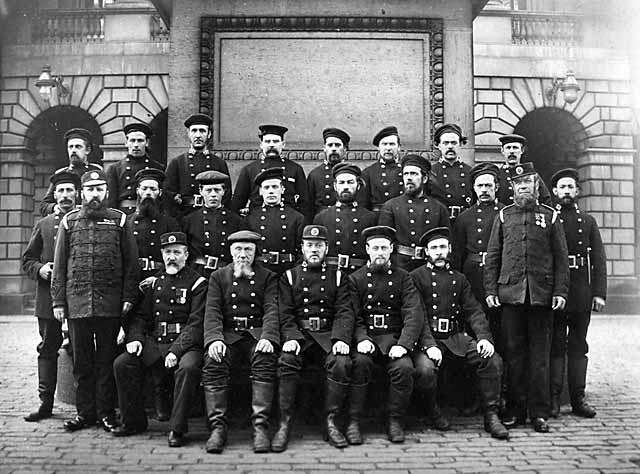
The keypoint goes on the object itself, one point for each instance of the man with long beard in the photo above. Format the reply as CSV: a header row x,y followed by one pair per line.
x,y
346,220
241,327
317,329
587,291
94,284
527,274
37,263
164,336
320,179
413,213
383,179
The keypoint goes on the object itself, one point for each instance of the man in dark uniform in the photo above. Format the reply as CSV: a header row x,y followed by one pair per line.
x,y
388,320
165,336
182,170
527,273
279,224
316,327
450,304
79,145
295,184
94,284
150,220
587,291
383,179
413,213
121,175
452,184
241,326
209,227
37,263
320,179
346,220
513,147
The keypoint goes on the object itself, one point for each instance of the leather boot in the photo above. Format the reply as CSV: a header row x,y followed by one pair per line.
x,y
577,384
216,399
494,426
286,400
436,417
334,400
357,401
556,378
490,388
554,412
398,403
47,377
162,403
261,400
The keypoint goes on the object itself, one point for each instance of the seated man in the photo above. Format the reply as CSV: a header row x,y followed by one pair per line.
x,y
449,304
164,335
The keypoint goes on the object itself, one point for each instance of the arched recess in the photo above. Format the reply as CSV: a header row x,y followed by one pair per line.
x,y
158,144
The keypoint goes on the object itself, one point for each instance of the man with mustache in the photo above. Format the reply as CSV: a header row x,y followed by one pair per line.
x,y
388,318
527,275
450,308
121,175
317,329
94,284
164,337
383,179
79,146
279,224
241,327
247,196
452,176
207,228
37,263
587,291
320,179
346,220
513,147
181,184
413,213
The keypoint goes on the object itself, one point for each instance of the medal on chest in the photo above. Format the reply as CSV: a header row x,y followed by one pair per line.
x,y
540,220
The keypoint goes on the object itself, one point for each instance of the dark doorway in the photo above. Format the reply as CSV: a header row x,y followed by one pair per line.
x,y
158,143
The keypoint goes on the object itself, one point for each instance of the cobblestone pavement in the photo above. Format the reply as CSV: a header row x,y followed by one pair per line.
x,y
610,443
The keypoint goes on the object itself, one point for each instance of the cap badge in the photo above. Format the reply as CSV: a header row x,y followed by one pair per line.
x,y
315,231
94,175
171,239
519,170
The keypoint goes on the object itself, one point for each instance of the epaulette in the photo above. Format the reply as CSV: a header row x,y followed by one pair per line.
x,y
502,212
122,216
198,281
64,221
554,215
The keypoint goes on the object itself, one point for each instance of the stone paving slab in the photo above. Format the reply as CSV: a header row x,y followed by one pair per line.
x,y
607,444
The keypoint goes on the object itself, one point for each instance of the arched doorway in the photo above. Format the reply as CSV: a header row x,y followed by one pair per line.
x,y
158,143
555,139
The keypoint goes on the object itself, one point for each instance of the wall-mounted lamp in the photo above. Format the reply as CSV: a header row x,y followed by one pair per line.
x,y
568,86
46,82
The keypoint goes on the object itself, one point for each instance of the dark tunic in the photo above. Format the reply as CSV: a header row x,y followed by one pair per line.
x,y
121,178
320,187
147,232
452,186
382,182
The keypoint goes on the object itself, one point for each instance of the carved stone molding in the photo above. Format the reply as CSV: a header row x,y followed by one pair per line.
x,y
312,155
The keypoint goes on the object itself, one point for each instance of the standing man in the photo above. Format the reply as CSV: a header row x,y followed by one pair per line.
x,y
247,195
413,213
182,170
79,145
316,328
121,175
279,224
453,177
37,263
450,309
527,273
320,179
165,336
346,220
383,179
94,285
587,291
209,227
513,147
388,320
241,326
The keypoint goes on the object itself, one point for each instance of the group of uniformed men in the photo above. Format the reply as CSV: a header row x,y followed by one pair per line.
x,y
408,264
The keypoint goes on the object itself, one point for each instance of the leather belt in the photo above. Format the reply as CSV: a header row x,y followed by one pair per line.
x,y
168,332
480,258
444,327
383,322
345,261
414,252
576,261
243,323
454,211
315,324
275,258
192,201
128,203
147,264
209,262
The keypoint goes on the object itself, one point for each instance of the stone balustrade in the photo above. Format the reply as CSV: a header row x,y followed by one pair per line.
x,y
546,29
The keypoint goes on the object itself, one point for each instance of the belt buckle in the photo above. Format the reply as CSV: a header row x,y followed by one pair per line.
x,y
273,258
177,328
483,258
144,264
573,261
210,263
378,321
198,201
314,323
163,328
419,253
343,261
240,322
454,211
443,325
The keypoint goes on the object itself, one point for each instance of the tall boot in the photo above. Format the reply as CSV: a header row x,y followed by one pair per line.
x,y
556,378
216,399
261,400
286,399
357,401
577,384
397,406
47,377
490,388
163,403
437,418
334,400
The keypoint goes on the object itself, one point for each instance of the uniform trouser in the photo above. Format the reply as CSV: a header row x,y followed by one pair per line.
x,y
526,331
129,372
337,367
93,365
51,339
